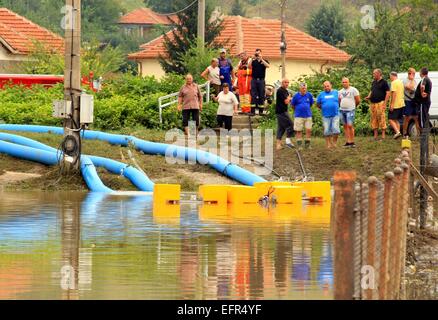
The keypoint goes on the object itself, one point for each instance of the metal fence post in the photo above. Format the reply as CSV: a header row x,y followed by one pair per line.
x,y
344,183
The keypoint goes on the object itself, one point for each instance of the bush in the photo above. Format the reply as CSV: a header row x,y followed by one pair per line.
x,y
126,101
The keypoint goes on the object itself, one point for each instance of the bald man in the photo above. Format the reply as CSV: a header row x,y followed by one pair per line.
x,y
284,122
328,102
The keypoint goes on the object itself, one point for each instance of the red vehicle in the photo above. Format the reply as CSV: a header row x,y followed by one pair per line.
x,y
28,80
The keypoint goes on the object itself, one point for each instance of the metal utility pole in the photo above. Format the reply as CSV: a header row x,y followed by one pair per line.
x,y
72,79
424,159
283,44
201,23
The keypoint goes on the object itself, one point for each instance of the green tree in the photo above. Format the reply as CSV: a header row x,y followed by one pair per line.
x,y
237,9
328,23
196,61
185,34
419,55
160,5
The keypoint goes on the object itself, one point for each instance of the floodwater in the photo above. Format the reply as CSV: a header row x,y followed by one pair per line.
x,y
96,246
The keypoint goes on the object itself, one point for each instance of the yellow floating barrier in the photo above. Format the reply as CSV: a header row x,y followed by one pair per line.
x,y
214,212
165,194
316,190
166,214
214,194
286,195
242,194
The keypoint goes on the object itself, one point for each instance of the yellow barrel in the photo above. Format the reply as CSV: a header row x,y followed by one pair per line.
x,y
287,195
214,194
167,194
316,189
242,194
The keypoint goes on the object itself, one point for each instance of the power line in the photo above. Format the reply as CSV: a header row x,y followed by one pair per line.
x,y
179,11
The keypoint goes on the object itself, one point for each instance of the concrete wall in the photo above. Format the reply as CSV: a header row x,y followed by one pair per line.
x,y
295,69
9,62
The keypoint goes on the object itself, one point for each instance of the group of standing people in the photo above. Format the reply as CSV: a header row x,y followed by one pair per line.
x,y
408,101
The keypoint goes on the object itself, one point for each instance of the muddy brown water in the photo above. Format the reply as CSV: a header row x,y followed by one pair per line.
x,y
92,246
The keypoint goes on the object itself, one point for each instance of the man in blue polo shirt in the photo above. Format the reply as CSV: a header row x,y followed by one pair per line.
x,y
328,102
302,103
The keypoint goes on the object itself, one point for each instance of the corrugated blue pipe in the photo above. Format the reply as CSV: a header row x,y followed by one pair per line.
x,y
50,158
223,166
138,178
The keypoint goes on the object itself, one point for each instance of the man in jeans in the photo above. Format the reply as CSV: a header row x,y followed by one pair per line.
x,y
328,102
349,99
378,97
302,103
258,85
284,121
422,97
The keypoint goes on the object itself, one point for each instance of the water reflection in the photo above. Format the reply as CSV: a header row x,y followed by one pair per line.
x,y
96,246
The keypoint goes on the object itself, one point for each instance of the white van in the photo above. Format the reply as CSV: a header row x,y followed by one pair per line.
x,y
433,112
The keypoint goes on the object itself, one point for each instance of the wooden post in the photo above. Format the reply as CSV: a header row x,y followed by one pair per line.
x,y
394,260
344,235
283,38
72,74
372,211
386,225
201,23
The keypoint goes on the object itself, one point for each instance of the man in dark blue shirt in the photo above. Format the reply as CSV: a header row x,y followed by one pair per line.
x,y
422,97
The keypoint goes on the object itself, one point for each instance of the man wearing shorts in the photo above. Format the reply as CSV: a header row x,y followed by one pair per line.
x,y
410,106
397,104
302,103
190,103
378,98
328,102
349,99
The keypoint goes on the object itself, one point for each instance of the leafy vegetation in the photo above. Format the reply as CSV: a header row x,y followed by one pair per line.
x,y
328,23
126,101
185,34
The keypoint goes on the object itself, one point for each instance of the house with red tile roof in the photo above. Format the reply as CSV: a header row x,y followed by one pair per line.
x,y
18,37
305,54
141,21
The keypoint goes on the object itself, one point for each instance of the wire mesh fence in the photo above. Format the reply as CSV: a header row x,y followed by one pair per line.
x,y
370,233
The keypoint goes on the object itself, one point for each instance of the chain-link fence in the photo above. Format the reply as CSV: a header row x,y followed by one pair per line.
x,y
370,232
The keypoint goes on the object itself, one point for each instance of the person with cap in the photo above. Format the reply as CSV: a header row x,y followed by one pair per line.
x,y
284,122
244,77
258,85
302,103
226,69
410,113
212,74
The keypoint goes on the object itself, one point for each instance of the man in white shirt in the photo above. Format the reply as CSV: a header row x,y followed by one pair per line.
x,y
349,99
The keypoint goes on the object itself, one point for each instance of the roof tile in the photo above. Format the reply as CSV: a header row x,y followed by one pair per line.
x,y
19,34
249,34
145,16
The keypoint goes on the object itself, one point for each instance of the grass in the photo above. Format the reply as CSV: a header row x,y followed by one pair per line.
x,y
369,158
